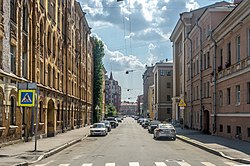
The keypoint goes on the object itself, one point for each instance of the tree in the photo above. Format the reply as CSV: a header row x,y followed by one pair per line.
x,y
111,110
98,51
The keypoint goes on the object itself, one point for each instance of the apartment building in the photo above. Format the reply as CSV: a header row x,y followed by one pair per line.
x,y
163,90
232,67
113,92
47,43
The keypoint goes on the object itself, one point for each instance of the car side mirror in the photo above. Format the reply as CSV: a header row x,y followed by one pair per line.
x,y
91,126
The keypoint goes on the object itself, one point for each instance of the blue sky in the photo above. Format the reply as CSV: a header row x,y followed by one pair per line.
x,y
135,34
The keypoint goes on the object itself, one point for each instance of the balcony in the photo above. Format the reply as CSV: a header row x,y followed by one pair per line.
x,y
231,69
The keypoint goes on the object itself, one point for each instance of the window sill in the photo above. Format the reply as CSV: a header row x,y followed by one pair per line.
x,y
2,128
13,127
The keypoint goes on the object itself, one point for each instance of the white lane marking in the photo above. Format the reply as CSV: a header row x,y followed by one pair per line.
x,y
134,164
89,164
207,164
160,164
46,163
231,164
110,164
64,165
183,163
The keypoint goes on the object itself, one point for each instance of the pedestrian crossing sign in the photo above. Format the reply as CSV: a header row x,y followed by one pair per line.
x,y
182,103
26,98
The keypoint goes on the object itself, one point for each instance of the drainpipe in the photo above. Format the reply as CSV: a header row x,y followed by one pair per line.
x,y
201,105
66,49
191,79
214,81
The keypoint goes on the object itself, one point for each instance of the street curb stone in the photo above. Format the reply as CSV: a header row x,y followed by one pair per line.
x,y
211,150
53,151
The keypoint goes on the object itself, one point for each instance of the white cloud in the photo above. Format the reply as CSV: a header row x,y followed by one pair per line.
x,y
192,5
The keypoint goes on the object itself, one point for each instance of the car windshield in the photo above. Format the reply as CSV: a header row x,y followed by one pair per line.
x,y
98,125
165,126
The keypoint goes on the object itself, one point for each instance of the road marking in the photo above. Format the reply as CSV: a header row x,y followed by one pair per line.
x,y
46,163
207,163
183,163
230,163
160,164
90,164
134,164
64,165
110,164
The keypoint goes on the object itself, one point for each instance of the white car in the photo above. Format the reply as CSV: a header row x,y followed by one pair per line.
x,y
165,131
98,129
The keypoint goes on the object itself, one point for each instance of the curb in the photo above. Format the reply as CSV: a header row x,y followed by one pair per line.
x,y
211,150
53,151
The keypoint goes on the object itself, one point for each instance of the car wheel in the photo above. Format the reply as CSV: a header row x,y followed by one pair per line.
x,y
174,138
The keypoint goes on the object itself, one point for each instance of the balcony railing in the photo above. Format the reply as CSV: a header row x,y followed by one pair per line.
x,y
245,63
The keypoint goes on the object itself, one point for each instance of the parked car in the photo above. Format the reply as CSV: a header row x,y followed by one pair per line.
x,y
145,123
98,129
119,119
107,124
165,131
152,125
112,121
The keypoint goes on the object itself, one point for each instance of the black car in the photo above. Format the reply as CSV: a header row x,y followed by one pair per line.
x,y
112,121
152,125
107,124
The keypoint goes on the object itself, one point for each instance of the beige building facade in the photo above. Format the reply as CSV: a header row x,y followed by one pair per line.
x,y
163,90
47,43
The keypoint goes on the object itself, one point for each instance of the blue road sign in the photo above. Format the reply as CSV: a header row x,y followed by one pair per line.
x,y
26,98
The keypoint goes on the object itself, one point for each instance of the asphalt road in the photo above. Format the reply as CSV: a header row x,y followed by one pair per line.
x,y
131,145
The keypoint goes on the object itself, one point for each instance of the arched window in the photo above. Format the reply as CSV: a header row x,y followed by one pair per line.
x,y
49,76
13,10
41,40
49,42
12,111
1,110
54,46
58,112
25,18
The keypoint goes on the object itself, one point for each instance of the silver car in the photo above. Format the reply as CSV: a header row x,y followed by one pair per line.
x,y
165,131
98,129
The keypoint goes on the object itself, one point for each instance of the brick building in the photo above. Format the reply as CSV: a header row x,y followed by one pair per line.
x,y
46,42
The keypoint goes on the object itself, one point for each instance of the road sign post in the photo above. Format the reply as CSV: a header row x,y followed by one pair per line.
x,y
26,98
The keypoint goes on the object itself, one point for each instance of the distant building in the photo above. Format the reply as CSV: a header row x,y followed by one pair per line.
x,y
140,100
163,90
151,102
113,92
129,108
148,80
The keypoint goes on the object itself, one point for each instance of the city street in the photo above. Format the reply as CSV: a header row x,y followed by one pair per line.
x,y
131,145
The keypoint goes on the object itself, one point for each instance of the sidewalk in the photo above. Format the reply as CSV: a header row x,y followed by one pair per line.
x,y
236,150
22,153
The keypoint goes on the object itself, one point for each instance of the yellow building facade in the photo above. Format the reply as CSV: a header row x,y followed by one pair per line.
x,y
46,42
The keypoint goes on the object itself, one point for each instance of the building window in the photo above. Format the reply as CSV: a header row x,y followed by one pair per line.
x,y
12,111
13,59
205,61
13,10
204,91
58,112
228,129
221,128
197,66
24,64
220,98
1,5
248,132
238,94
168,110
169,73
229,53
248,93
197,92
208,59
238,48
1,110
25,18
168,85
162,72
248,42
228,96
168,98
238,130
221,57
208,89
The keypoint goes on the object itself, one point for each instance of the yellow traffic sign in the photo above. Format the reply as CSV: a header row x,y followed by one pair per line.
x,y
182,103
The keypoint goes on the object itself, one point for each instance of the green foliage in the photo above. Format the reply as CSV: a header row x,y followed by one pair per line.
x,y
111,110
98,51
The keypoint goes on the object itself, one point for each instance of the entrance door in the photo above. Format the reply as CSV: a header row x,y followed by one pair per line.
x,y
50,119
